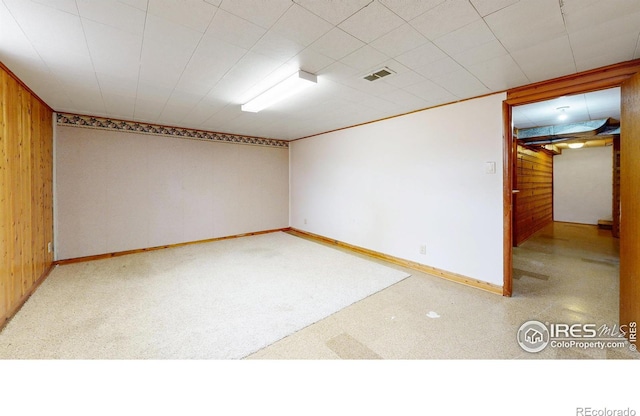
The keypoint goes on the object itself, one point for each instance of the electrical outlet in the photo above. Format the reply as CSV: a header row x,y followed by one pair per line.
x,y
423,249
49,247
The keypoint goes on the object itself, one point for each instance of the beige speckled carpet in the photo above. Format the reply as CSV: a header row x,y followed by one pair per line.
x,y
218,300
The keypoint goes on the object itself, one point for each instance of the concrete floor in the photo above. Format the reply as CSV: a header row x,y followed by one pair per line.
x,y
566,273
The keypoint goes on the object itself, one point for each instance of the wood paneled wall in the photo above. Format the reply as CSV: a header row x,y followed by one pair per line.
x,y
615,229
534,202
26,192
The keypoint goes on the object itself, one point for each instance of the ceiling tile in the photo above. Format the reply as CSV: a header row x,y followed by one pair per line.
x,y
302,25
138,4
371,22
486,7
49,28
404,79
202,112
234,30
499,74
462,84
195,15
421,56
467,37
365,58
310,61
599,52
277,47
261,12
527,23
409,9
119,106
211,60
369,87
333,11
583,14
404,99
67,6
534,60
438,68
118,15
191,63
445,18
592,46
399,40
337,44
338,71
125,86
166,50
484,52
113,50
431,93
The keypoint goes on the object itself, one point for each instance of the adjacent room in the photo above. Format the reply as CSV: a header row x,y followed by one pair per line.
x,y
296,179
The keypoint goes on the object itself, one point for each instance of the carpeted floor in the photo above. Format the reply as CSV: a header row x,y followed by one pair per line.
x,y
219,300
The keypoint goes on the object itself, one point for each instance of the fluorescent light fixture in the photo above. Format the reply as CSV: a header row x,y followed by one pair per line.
x,y
577,145
286,88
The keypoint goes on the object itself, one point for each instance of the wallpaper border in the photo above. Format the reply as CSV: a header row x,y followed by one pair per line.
x,y
77,120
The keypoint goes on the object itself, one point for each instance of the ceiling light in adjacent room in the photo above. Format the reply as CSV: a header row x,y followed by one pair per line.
x,y
286,88
563,114
577,145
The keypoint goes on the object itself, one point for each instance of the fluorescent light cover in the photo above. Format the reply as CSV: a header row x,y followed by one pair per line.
x,y
288,87
576,145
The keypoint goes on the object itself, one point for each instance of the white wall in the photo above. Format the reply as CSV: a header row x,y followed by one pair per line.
x,y
583,185
118,191
393,185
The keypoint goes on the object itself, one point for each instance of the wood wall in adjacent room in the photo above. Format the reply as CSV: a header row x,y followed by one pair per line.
x,y
26,192
534,202
615,229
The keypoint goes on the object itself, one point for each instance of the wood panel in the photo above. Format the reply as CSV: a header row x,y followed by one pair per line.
x,y
630,202
615,227
26,192
534,201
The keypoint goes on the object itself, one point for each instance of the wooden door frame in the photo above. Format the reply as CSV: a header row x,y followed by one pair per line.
x,y
596,79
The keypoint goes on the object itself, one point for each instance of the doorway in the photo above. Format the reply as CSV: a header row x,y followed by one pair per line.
x,y
594,80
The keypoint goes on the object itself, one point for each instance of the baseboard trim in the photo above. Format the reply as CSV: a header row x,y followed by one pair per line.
x,y
142,250
4,320
444,274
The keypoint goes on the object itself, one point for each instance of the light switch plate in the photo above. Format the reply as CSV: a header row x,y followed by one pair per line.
x,y
490,168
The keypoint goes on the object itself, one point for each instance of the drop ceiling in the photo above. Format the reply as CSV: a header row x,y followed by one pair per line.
x,y
193,63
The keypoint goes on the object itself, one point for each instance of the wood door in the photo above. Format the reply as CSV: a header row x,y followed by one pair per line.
x,y
630,201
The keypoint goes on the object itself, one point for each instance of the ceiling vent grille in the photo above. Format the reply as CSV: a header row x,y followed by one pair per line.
x,y
381,73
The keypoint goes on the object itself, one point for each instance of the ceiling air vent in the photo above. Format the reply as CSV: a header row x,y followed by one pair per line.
x,y
381,73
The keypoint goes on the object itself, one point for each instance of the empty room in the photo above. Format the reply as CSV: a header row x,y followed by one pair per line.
x,y
299,179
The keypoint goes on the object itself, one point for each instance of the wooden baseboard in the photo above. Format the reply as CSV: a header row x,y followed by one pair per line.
x,y
11,313
454,277
142,250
